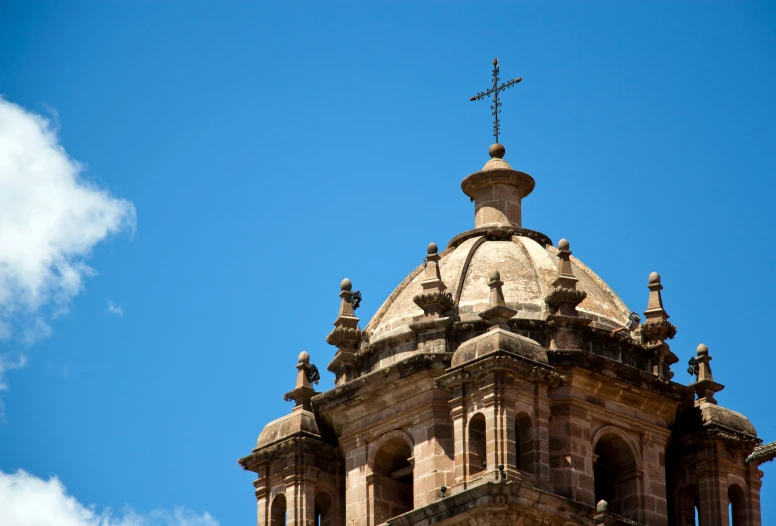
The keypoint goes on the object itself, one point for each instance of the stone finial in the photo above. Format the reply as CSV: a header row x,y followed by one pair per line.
x,y
705,386
565,272
497,312
495,284
655,304
703,359
656,328
433,300
347,315
564,299
433,281
306,375
602,506
346,335
346,293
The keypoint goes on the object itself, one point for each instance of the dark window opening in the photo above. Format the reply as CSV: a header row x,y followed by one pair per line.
x,y
393,481
690,506
737,506
617,477
477,450
524,443
278,511
323,508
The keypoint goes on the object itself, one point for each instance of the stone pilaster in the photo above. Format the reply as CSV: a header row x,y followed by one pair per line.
x,y
542,437
655,506
356,496
433,466
571,458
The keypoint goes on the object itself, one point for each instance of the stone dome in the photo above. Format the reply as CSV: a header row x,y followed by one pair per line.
x,y
528,268
715,415
499,340
298,423
526,259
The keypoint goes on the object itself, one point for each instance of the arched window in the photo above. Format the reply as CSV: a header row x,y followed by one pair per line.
x,y
617,477
690,506
278,511
477,451
323,509
737,506
524,443
393,491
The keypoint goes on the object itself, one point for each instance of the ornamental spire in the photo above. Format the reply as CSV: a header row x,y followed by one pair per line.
x,y
307,374
346,335
705,386
497,313
497,189
437,304
563,317
433,300
565,297
656,329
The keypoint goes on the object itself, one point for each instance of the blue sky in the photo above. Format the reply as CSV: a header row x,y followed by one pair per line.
x,y
238,159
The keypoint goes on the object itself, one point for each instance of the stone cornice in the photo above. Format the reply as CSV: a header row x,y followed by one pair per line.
x,y
593,363
346,392
506,175
295,444
504,501
499,360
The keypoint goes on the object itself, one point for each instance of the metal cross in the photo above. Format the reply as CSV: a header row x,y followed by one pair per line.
x,y
496,106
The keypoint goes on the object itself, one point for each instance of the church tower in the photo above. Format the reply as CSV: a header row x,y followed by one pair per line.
x,y
503,382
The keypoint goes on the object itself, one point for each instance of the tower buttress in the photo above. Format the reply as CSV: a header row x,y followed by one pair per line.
x,y
300,480
710,445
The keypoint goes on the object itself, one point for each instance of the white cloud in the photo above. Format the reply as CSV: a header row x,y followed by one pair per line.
x,y
50,220
115,309
50,217
26,500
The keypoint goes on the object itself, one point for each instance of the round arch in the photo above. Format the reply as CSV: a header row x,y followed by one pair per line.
x,y
277,508
617,473
375,446
737,508
621,433
390,478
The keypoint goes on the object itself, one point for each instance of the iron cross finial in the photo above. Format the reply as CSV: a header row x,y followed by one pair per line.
x,y
496,106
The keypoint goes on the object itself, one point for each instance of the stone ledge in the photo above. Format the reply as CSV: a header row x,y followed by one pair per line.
x,y
505,502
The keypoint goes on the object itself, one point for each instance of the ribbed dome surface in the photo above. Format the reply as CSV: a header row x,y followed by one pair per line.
x,y
527,269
